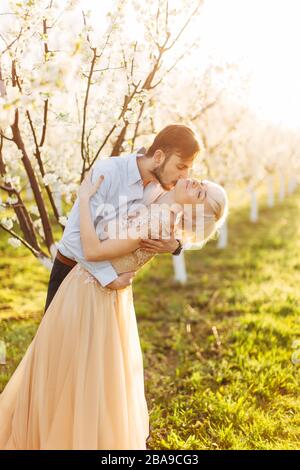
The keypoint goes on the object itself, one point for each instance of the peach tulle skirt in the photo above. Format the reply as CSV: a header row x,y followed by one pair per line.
x,y
80,384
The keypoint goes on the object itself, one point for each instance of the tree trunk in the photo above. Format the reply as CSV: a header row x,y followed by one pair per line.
x,y
292,184
254,206
281,187
223,238
271,198
180,273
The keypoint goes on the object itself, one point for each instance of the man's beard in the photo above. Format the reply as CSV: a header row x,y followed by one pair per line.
x,y
158,175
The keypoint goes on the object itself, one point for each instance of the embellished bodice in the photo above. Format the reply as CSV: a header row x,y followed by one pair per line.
x,y
156,223
131,262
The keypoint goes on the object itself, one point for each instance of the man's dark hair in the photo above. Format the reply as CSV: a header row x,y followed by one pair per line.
x,y
178,139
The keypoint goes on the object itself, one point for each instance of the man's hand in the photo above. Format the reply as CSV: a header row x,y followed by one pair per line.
x,y
122,281
160,245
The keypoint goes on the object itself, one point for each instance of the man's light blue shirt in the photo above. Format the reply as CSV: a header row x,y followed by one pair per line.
x,y
122,186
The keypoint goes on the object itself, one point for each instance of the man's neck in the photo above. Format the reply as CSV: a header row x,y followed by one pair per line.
x,y
144,169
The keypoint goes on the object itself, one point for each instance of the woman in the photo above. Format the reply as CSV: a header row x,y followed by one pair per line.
x,y
80,384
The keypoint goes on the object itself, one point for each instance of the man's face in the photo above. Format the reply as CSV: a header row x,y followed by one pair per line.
x,y
172,169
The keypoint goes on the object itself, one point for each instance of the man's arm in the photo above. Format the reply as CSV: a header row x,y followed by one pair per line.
x,y
93,248
70,244
102,270
107,272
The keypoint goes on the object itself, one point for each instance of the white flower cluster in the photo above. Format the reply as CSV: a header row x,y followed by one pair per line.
x,y
15,242
49,178
7,114
34,210
39,226
13,180
7,223
12,199
63,220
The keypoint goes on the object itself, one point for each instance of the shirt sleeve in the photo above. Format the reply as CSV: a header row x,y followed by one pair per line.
x,y
103,271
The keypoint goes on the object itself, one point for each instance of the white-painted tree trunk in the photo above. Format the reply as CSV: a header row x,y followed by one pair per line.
x,y
180,273
53,250
223,237
47,262
281,187
292,184
271,193
253,206
2,352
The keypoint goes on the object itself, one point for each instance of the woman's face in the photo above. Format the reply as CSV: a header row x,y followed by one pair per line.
x,y
192,191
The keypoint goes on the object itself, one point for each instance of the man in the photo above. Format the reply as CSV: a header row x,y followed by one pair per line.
x,y
130,179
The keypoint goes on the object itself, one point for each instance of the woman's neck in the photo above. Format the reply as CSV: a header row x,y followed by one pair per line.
x,y
168,197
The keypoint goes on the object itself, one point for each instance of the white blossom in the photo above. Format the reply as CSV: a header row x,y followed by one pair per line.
x,y
15,242
12,199
34,210
7,223
13,180
63,220
49,178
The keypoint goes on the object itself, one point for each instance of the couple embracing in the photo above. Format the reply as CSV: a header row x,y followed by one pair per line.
x,y
80,384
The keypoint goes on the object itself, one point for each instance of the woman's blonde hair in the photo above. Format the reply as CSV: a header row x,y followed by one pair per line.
x,y
218,200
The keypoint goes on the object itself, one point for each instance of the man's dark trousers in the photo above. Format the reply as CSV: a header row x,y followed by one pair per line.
x,y
58,273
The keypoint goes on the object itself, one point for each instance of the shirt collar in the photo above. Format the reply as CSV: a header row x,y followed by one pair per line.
x,y
132,167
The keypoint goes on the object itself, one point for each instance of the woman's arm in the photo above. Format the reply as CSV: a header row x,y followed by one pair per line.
x,y
93,248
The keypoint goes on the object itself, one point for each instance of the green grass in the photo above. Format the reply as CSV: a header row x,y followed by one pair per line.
x,y
241,392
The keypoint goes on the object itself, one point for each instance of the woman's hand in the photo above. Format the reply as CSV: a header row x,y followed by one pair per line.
x,y
87,189
122,281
